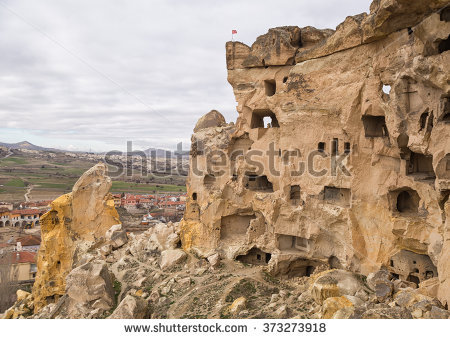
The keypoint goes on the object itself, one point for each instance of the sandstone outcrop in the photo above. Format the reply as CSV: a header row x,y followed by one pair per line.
x,y
211,119
340,154
75,221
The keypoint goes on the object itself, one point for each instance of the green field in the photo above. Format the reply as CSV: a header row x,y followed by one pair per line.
x,y
17,182
55,174
14,160
121,186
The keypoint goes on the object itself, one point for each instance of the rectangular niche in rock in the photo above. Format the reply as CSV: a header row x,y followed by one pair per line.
x,y
374,126
255,182
420,164
234,226
337,195
270,87
294,195
292,243
445,107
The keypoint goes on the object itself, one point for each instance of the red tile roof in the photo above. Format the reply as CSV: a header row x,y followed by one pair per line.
x,y
29,240
25,212
18,258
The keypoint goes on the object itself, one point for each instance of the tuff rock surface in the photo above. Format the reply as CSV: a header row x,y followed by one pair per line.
x,y
75,220
340,154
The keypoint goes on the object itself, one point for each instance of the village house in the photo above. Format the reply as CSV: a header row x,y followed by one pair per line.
x,y
45,204
20,218
5,217
29,243
6,205
22,265
26,217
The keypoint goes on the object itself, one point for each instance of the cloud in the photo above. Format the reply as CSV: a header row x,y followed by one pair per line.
x,y
78,73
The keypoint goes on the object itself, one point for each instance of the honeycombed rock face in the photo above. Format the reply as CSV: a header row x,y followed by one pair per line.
x,y
75,220
340,152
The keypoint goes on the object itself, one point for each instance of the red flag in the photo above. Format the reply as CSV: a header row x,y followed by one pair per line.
x,y
233,31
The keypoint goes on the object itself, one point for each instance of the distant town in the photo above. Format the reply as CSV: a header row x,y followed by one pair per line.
x,y
31,177
20,227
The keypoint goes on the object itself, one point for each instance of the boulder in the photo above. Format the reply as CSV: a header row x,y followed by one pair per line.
x,y
383,290
429,287
211,119
116,236
162,237
335,283
387,313
22,295
237,306
89,286
114,228
282,312
214,260
131,307
333,304
439,313
170,258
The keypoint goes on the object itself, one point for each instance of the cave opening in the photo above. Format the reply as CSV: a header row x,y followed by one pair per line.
x,y
420,164
347,147
374,126
445,104
270,87
294,194
405,203
264,118
423,120
255,257
413,279
444,45
321,147
256,182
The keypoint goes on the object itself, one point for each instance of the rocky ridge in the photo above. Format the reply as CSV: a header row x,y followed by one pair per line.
x,y
340,154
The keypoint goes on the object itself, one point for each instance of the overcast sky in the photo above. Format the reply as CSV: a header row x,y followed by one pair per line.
x,y
85,74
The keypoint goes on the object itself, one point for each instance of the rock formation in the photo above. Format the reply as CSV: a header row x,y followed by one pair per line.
x,y
75,220
327,199
340,153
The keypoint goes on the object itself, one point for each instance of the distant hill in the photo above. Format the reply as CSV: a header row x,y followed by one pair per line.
x,y
27,145
161,153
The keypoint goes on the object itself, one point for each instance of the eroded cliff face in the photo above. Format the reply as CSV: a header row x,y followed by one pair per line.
x,y
340,152
76,220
